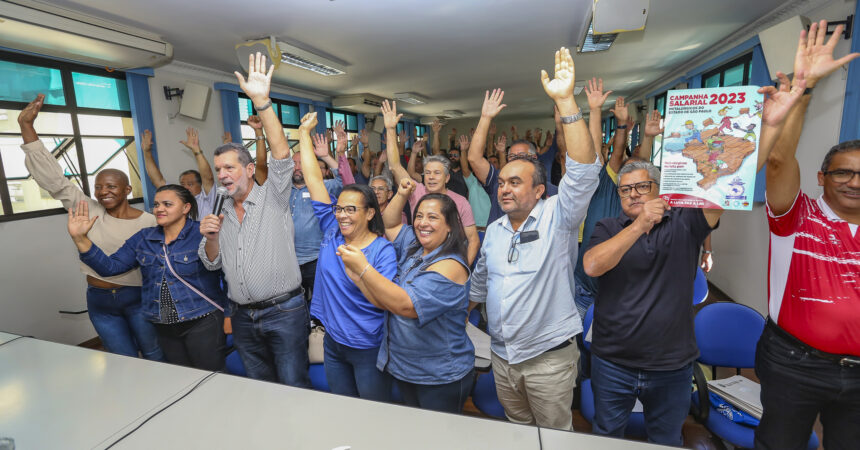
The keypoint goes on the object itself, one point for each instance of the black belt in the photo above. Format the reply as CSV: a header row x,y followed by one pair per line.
x,y
842,360
273,301
559,346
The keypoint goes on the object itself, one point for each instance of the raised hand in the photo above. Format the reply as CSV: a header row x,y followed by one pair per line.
x,y
146,141
364,138
538,133
353,258
226,138
778,102
652,214
403,137
620,111
406,187
28,115
419,146
309,122
256,87
560,87
389,114
210,226
815,58
493,103
548,140
255,122
321,145
339,130
383,157
652,124
501,143
436,126
80,222
191,141
492,129
594,93
464,143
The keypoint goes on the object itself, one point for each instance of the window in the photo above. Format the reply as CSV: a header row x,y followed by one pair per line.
x,y
656,152
350,124
735,73
420,130
288,112
85,123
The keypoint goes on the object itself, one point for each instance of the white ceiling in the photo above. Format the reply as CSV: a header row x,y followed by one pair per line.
x,y
448,51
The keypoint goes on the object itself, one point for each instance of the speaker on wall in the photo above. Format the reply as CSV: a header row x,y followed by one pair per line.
x,y
778,55
195,100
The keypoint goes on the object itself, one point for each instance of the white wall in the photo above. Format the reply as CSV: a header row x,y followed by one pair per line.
x,y
741,243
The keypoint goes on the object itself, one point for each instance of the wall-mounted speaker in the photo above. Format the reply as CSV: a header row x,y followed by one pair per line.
x,y
195,100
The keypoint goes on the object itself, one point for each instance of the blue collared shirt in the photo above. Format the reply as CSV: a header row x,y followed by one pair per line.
x,y
434,348
529,301
308,233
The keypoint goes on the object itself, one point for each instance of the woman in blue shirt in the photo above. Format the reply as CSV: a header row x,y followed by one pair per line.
x,y
425,345
353,325
182,298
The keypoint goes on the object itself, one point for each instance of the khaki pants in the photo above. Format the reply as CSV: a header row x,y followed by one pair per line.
x,y
540,390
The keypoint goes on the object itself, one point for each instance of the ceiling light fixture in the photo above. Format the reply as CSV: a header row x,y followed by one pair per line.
x,y
411,98
303,59
453,113
596,42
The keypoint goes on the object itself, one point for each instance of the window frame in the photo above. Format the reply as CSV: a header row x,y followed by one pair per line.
x,y
276,106
745,60
71,108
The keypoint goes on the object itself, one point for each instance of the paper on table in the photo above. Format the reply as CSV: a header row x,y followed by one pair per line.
x,y
480,340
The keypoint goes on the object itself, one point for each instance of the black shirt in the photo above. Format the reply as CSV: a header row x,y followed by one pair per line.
x,y
458,184
643,313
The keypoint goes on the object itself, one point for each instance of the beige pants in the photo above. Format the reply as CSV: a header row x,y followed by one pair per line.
x,y
540,390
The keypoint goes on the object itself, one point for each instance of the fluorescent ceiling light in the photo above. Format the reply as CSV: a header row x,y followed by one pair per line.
x,y
453,113
411,98
303,59
596,42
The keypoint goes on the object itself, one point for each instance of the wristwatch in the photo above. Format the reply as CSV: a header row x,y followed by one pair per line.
x,y
571,119
621,127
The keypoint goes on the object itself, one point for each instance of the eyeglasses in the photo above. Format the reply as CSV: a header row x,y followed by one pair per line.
x,y
514,252
641,188
842,176
337,209
379,188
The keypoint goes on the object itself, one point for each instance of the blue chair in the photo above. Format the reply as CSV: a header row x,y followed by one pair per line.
x,y
727,334
233,364
316,372
484,396
636,423
700,287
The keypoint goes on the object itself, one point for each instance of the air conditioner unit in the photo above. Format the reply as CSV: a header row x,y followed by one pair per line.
x,y
360,103
48,30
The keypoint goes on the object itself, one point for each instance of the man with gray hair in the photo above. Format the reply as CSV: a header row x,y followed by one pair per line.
x,y
383,188
642,340
437,172
252,241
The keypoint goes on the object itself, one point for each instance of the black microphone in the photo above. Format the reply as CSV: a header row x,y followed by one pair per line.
x,y
221,194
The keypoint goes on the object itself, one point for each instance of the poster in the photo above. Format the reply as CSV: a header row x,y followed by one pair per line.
x,y
710,147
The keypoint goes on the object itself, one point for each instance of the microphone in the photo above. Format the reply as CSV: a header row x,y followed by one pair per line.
x,y
221,194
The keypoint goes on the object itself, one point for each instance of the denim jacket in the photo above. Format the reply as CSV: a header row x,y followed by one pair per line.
x,y
434,348
144,249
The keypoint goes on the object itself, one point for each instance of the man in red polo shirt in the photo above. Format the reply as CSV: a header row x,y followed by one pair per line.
x,y
808,358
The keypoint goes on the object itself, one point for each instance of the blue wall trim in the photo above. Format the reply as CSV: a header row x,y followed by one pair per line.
x,y
760,76
141,113
851,106
230,114
740,49
666,87
322,123
145,71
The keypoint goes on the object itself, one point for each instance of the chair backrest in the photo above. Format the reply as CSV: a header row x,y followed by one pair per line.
x,y
700,287
727,334
586,325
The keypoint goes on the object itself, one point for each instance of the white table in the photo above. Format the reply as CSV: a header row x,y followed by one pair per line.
x,y
233,412
61,396
6,337
566,440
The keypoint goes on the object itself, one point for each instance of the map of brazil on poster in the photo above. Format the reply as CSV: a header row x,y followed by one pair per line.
x,y
710,147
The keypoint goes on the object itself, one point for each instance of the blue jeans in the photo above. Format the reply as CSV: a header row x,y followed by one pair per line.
x,y
582,299
797,386
117,317
273,342
665,396
447,397
352,371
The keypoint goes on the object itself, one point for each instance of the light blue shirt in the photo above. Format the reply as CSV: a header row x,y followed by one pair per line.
x,y
308,233
530,305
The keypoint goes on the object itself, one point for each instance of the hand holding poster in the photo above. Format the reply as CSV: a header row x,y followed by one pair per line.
x,y
710,147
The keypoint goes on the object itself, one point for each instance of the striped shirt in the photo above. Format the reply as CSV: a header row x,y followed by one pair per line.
x,y
258,256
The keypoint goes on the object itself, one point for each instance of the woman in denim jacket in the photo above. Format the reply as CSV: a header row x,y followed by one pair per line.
x,y
189,325
425,346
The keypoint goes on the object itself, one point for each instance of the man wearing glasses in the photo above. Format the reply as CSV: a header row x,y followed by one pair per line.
x,y
525,271
642,339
